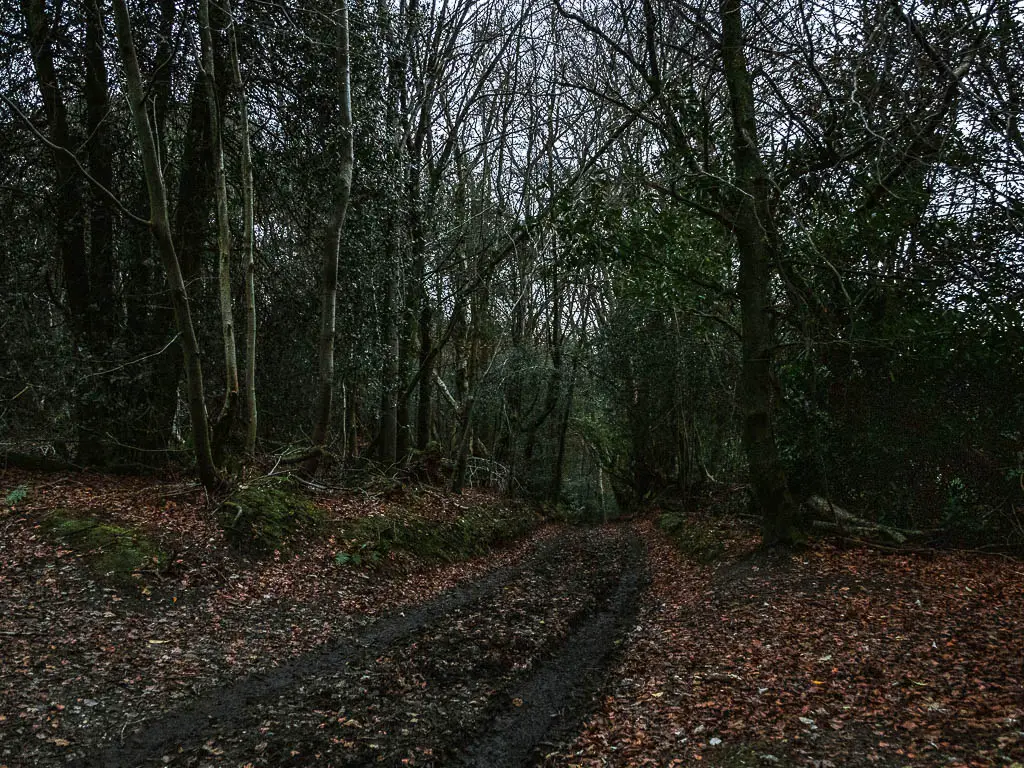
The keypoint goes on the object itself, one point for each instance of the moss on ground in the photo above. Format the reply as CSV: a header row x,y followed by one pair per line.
x,y
696,539
113,552
475,532
267,516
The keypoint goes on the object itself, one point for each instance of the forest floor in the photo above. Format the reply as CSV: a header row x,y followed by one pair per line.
x,y
828,657
573,647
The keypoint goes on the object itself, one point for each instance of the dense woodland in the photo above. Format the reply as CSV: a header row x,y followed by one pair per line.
x,y
593,252
512,383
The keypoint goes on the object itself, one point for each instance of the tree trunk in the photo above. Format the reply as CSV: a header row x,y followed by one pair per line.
x,y
406,369
424,403
248,265
755,233
464,342
332,246
69,215
222,428
390,385
101,168
102,404
160,224
153,398
351,420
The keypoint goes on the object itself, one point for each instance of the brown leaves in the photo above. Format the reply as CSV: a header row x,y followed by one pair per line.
x,y
883,658
208,618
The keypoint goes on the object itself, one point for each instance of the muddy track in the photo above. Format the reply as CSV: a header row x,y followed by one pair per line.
x,y
557,695
483,675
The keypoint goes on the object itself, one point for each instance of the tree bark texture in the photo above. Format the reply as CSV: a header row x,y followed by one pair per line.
x,y
160,224
332,243
248,243
222,429
756,243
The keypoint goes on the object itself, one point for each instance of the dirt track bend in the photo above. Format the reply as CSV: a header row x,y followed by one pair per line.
x,y
485,674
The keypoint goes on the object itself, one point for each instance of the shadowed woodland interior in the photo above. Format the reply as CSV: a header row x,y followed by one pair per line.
x,y
512,383
592,253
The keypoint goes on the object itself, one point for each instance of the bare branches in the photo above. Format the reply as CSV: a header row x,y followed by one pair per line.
x,y
74,159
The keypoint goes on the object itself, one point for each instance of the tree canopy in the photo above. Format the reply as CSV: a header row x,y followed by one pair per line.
x,y
589,251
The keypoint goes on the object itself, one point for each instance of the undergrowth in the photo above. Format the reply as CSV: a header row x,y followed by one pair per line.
x,y
697,539
113,552
473,533
267,516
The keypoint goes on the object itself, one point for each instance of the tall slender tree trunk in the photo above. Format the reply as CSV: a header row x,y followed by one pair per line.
x,y
69,208
352,420
248,265
406,370
425,401
102,402
391,384
332,246
425,320
756,241
160,224
154,396
391,371
69,215
388,438
463,343
101,168
222,429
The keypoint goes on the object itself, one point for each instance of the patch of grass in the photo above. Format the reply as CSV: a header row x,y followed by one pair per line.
x,y
475,532
265,517
696,539
111,551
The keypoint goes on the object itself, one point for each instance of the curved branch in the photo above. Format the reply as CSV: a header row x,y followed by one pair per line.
x,y
74,158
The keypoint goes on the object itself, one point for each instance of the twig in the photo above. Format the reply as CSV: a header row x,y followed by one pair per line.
x,y
74,158
133,362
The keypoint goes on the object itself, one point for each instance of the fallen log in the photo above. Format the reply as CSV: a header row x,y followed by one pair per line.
x,y
834,519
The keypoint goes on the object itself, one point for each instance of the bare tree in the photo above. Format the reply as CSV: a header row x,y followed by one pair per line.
x,y
248,245
332,244
159,222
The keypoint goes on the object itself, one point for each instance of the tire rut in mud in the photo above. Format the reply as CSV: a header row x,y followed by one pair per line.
x,y
549,705
480,675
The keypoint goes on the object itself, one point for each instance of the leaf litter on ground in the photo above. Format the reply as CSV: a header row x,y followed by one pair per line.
x,y
79,655
827,657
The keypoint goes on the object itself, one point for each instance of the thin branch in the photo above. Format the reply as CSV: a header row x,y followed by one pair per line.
x,y
135,361
74,158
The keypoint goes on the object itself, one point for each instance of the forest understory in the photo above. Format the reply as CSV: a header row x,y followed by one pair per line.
x,y
520,382
573,646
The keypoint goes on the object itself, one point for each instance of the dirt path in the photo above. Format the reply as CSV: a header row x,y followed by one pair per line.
x,y
483,675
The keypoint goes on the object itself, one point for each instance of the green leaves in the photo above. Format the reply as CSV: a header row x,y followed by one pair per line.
x,y
365,553
16,496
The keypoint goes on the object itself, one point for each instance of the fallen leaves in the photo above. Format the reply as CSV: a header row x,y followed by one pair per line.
x,y
887,659
883,659
121,654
